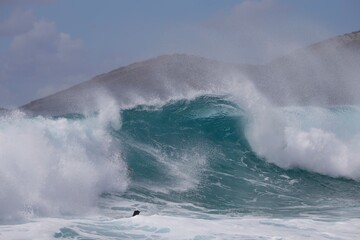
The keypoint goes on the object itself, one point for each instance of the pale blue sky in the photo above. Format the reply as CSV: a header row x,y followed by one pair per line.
x,y
48,45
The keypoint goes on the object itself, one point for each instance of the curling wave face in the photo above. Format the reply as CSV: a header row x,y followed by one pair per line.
x,y
206,152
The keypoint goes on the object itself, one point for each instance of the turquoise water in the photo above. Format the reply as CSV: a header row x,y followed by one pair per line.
x,y
233,179
195,168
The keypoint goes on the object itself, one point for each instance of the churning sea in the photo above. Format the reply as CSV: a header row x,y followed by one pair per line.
x,y
205,167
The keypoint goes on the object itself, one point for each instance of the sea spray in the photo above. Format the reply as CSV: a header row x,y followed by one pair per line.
x,y
322,140
319,139
59,166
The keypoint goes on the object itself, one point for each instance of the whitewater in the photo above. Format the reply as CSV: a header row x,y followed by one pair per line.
x,y
221,162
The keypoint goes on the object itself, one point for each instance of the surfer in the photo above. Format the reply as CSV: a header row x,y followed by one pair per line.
x,y
136,212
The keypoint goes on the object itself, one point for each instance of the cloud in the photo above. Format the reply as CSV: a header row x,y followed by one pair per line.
x,y
39,60
43,41
18,22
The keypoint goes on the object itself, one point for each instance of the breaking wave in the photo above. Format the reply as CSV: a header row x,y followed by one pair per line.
x,y
211,153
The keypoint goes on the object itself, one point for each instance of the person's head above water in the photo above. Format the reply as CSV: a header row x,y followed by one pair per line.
x,y
136,212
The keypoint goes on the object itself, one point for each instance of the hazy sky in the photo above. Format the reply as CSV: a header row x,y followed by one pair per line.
x,y
48,45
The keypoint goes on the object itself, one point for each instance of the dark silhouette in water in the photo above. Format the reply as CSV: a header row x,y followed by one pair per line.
x,y
136,212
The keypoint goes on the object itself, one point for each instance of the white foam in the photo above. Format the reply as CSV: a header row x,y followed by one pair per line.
x,y
50,167
169,227
316,140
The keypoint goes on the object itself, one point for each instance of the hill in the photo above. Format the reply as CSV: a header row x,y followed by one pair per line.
x,y
323,73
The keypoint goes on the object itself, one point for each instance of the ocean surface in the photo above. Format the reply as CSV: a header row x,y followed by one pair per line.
x,y
209,166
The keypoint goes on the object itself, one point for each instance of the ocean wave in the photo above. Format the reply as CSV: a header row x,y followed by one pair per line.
x,y
220,154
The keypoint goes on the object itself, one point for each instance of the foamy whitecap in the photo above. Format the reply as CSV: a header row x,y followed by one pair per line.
x,y
56,166
321,140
